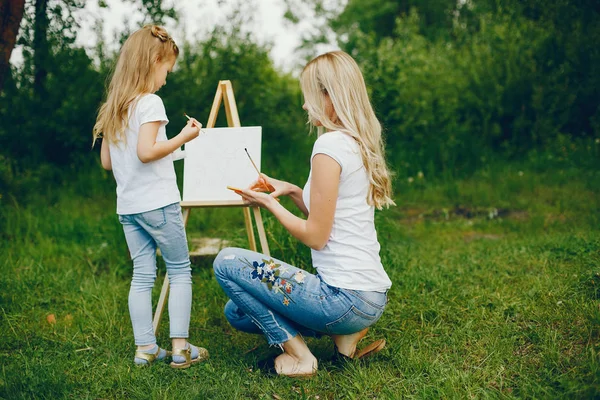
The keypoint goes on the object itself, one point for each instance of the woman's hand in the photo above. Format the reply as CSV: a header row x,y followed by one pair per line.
x,y
280,188
256,198
268,184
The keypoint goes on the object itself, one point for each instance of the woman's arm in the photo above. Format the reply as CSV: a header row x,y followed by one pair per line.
x,y
105,156
296,196
280,188
148,149
314,231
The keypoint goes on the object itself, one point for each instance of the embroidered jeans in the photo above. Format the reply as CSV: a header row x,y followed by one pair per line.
x,y
272,297
143,232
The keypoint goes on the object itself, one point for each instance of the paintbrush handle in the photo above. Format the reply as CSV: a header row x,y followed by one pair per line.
x,y
195,124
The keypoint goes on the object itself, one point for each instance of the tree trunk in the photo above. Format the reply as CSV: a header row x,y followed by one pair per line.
x,y
11,13
40,48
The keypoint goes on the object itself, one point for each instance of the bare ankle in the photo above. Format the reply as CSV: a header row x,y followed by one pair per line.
x,y
297,349
346,344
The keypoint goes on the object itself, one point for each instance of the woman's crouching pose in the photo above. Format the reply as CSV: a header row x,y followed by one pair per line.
x,y
347,180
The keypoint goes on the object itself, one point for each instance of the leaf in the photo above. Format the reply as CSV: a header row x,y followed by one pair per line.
x,y
51,318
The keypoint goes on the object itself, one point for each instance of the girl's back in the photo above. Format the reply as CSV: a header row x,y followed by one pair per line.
x,y
143,186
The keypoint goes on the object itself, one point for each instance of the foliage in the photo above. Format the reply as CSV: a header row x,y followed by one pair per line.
x,y
56,127
457,83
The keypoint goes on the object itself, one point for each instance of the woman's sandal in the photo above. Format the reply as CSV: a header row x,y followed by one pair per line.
x,y
186,353
370,349
367,351
144,359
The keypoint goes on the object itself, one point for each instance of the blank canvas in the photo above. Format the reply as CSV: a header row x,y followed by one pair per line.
x,y
216,159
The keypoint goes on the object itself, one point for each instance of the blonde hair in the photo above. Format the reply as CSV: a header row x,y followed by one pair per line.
x,y
133,75
336,74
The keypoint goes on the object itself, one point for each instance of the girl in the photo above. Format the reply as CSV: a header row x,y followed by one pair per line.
x,y
132,124
347,180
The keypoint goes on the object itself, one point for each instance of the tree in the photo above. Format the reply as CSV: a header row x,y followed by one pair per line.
x,y
11,13
57,83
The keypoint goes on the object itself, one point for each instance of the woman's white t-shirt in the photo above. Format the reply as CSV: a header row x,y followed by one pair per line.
x,y
350,259
143,186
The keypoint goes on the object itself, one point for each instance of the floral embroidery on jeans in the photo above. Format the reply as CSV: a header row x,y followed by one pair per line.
x,y
269,273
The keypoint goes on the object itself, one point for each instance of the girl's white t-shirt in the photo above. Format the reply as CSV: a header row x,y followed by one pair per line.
x,y
350,259
143,186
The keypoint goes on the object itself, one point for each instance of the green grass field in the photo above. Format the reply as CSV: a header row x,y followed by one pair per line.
x,y
496,295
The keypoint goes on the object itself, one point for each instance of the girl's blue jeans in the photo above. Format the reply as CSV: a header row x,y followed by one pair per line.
x,y
145,231
279,300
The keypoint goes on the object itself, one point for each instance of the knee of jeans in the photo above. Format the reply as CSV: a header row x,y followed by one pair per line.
x,y
231,311
180,276
143,278
219,266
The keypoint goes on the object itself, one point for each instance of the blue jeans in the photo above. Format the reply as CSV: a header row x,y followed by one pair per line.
x,y
145,231
279,300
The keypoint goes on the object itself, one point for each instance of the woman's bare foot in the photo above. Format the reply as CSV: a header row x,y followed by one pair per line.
x,y
297,360
346,344
287,365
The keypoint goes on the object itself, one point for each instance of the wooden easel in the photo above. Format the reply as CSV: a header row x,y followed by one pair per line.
x,y
224,94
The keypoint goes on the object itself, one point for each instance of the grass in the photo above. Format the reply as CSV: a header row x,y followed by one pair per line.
x,y
496,295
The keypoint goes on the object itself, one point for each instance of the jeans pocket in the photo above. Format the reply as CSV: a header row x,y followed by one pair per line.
x,y
374,299
352,321
155,218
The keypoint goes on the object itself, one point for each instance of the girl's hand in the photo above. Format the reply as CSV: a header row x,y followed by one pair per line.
x,y
256,198
275,186
191,130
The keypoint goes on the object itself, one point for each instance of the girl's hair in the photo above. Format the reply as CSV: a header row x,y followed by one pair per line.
x,y
133,75
336,74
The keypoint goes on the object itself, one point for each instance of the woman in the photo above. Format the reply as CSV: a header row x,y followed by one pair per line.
x,y
348,179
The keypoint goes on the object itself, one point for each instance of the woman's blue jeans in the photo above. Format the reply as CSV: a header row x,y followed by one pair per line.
x,y
164,228
272,297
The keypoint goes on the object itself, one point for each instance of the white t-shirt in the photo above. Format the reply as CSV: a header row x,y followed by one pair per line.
x,y
143,187
350,259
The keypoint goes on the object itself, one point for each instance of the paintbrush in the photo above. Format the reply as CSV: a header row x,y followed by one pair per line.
x,y
199,127
268,186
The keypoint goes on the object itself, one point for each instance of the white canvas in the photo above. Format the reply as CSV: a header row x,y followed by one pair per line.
x,y
216,159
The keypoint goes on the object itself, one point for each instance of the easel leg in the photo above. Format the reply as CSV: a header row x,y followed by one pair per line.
x,y
262,236
164,292
160,307
249,230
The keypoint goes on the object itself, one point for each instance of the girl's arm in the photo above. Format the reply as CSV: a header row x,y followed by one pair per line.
x,y
314,231
105,156
148,149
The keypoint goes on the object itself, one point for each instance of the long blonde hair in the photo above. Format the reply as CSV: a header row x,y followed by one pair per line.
x,y
133,75
336,74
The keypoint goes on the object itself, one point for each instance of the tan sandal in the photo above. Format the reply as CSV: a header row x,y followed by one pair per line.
x,y
186,353
367,351
370,349
149,357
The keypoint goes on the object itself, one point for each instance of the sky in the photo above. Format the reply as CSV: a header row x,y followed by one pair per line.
x,y
197,18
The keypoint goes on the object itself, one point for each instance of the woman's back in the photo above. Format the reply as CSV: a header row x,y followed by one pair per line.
x,y
350,259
